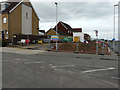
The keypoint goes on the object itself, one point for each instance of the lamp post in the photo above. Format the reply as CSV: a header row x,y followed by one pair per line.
x,y
56,23
114,29
96,31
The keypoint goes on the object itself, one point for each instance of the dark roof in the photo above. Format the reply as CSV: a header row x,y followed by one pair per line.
x,y
42,31
66,25
12,5
77,29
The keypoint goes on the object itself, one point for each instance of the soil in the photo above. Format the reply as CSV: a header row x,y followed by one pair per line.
x,y
83,48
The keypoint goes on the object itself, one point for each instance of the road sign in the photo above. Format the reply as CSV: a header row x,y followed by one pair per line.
x,y
76,39
54,38
96,31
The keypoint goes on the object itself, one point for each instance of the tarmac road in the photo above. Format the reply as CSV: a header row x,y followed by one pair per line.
x,y
59,70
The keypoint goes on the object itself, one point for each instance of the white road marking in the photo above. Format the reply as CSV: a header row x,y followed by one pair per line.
x,y
88,71
63,66
33,62
18,59
115,77
88,74
66,71
79,65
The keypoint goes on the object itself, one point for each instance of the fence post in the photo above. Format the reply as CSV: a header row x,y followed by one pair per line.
x,y
12,38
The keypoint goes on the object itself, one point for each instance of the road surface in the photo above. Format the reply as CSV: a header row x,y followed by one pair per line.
x,y
58,70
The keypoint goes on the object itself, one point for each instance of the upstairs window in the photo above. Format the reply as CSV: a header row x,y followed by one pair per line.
x,y
4,20
27,15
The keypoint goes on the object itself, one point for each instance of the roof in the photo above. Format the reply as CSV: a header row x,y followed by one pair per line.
x,y
49,30
52,30
42,31
66,25
14,4
77,29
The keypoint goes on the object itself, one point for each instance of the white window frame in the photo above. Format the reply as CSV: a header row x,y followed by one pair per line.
x,y
4,20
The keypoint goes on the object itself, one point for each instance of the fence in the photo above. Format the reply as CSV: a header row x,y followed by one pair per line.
x,y
18,37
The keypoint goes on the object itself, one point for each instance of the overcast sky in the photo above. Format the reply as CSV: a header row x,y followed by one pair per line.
x,y
89,16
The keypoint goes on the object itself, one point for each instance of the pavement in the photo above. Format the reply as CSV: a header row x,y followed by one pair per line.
x,y
20,50
35,69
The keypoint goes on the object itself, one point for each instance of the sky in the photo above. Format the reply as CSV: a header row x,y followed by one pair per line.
x,y
89,15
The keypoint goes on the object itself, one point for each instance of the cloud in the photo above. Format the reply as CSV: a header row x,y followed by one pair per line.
x,y
87,15
75,10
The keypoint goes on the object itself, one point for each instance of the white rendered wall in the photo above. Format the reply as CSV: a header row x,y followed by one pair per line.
x,y
26,21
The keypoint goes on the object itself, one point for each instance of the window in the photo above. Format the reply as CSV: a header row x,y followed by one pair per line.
x,y
7,33
68,31
27,15
4,20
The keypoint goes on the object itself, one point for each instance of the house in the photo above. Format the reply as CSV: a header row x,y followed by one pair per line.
x,y
18,18
63,29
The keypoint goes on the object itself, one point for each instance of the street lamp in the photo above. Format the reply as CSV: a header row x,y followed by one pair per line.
x,y
114,29
56,23
96,31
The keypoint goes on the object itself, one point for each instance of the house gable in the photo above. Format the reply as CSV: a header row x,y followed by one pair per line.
x,y
50,32
16,3
30,4
63,29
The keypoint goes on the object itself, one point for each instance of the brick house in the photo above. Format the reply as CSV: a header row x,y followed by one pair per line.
x,y
63,29
18,18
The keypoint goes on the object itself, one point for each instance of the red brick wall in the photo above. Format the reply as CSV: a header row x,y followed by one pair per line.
x,y
62,28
